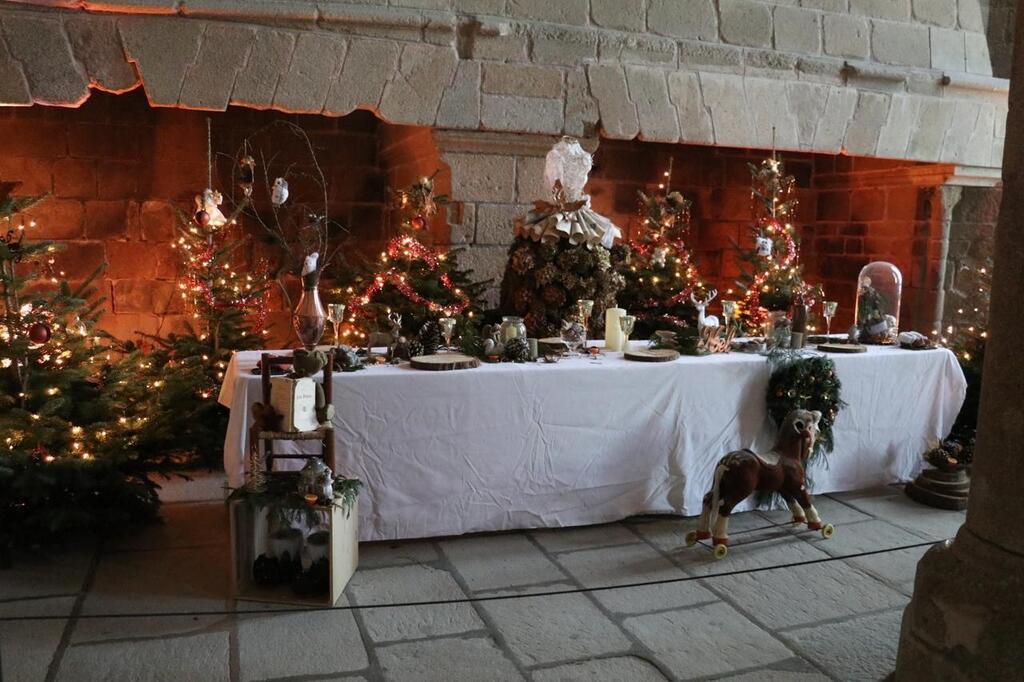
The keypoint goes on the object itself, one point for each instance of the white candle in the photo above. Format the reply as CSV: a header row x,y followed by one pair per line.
x,y
612,331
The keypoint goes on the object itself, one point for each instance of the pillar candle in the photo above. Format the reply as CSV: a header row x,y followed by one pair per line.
x,y
612,330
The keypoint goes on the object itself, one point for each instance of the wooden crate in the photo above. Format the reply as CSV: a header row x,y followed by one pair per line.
x,y
343,553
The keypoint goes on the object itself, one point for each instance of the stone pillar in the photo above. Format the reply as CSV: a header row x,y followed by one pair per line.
x,y
966,618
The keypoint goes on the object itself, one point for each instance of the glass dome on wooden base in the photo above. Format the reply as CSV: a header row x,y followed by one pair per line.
x,y
879,288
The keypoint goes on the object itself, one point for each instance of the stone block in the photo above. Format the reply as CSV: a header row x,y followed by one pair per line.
x,y
977,54
162,48
56,219
716,637
895,134
882,9
572,12
49,66
948,49
105,219
633,563
446,660
98,47
223,53
769,112
460,104
410,584
315,64
827,5
858,649
900,44
27,648
482,177
381,554
510,45
368,66
839,109
624,15
145,296
624,47
710,57
530,184
869,116
970,15
523,80
557,45
746,22
414,93
116,179
522,114
847,36
630,668
129,260
159,221
486,263
939,12
725,98
581,111
269,58
696,19
494,223
648,89
499,561
584,537
490,7
74,178
556,628
978,151
618,113
807,104
287,644
934,117
694,120
962,126
797,30
200,656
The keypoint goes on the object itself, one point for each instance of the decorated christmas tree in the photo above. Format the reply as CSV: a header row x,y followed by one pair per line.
x,y
69,456
659,270
562,251
773,279
410,278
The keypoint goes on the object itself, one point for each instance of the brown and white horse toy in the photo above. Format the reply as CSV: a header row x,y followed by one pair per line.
x,y
742,472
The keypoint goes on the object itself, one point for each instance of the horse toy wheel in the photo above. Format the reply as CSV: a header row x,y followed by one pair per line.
x,y
691,538
721,551
828,531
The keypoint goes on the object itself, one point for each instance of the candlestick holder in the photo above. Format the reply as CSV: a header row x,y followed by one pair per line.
x,y
584,308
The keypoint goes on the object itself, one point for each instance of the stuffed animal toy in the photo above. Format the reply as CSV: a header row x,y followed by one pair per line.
x,y
309,363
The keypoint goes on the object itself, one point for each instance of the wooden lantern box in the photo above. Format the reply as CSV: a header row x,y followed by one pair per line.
x,y
342,553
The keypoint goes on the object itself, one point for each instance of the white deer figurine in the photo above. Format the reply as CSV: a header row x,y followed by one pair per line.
x,y
702,319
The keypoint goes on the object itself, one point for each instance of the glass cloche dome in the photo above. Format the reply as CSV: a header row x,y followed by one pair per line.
x,y
879,287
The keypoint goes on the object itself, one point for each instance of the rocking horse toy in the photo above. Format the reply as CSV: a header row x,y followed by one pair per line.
x,y
743,472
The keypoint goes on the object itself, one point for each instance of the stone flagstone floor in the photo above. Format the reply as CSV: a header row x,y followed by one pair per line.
x,y
833,620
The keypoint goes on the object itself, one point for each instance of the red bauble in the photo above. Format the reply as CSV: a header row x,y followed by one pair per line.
x,y
39,332
202,217
418,222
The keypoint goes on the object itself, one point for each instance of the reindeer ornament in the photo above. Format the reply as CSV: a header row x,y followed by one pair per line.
x,y
701,304
742,472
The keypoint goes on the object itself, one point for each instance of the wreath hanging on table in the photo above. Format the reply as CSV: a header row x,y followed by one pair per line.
x,y
809,383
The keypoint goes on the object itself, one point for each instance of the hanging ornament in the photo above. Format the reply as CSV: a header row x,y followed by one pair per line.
x,y
659,256
39,333
246,174
202,218
79,327
764,247
279,192
209,202
418,222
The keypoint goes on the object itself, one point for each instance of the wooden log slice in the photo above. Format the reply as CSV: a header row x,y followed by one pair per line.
x,y
442,362
552,344
842,348
652,355
919,491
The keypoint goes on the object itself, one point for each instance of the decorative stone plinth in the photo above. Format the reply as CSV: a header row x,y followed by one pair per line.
x,y
942,489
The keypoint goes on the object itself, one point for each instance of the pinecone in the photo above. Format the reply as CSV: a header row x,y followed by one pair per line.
x,y
516,350
415,348
429,337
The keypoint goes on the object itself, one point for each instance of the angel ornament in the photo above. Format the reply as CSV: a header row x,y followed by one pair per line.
x,y
209,203
764,247
568,216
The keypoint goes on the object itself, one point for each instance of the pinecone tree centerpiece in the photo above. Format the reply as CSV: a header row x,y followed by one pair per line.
x,y
562,251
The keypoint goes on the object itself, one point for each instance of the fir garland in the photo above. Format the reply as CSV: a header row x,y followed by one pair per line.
x,y
808,383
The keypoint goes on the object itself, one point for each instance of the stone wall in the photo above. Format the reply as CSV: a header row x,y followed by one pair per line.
x,y
972,213
889,78
116,169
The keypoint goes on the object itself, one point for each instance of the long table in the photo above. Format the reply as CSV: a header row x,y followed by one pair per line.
x,y
509,446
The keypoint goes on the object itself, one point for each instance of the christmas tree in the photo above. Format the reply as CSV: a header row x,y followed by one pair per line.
x,y
69,459
659,270
410,278
774,277
174,380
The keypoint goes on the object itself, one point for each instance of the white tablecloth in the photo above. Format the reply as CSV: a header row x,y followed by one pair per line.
x,y
522,446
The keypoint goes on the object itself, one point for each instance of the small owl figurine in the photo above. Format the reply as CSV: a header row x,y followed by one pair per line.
x,y
279,192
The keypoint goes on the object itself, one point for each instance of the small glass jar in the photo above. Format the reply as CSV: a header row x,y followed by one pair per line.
x,y
879,288
512,328
778,330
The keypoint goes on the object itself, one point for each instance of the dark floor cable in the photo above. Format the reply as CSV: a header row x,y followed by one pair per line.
x,y
469,600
